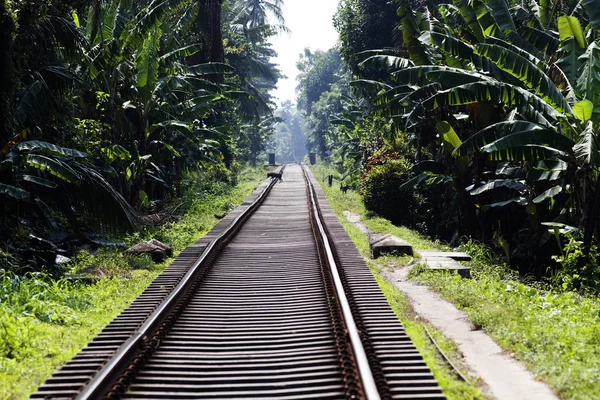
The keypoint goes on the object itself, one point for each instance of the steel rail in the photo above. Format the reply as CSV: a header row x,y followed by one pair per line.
x,y
102,382
364,369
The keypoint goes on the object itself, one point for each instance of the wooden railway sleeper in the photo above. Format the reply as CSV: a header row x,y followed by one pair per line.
x,y
371,385
116,378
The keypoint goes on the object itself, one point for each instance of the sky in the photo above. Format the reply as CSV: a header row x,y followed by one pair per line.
x,y
311,25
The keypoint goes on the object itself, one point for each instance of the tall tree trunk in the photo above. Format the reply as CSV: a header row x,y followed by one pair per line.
x,y
7,71
208,26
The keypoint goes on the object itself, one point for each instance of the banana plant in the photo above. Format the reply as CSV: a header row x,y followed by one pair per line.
x,y
515,101
42,173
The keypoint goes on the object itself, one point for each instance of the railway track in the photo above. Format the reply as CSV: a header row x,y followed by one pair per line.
x,y
274,303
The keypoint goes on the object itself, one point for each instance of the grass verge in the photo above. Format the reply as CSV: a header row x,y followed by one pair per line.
x,y
44,322
554,332
453,387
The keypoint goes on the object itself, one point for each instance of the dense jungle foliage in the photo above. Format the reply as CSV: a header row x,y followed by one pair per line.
x,y
481,117
109,107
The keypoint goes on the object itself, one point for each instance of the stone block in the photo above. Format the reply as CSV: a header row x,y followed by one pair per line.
x,y
157,250
441,263
380,244
455,255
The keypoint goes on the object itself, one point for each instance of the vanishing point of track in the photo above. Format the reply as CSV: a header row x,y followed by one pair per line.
x,y
274,303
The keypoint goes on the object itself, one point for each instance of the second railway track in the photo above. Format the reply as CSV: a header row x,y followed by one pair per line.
x,y
269,317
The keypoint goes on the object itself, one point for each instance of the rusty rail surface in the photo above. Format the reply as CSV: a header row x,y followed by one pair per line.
x,y
274,303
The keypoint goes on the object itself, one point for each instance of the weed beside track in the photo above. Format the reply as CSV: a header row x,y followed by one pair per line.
x,y
44,321
556,333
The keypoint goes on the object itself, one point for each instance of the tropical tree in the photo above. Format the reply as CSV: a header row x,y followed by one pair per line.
x,y
120,98
322,83
502,111
288,142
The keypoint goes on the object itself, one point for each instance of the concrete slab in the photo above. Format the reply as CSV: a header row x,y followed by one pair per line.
x,y
381,243
446,261
446,264
455,255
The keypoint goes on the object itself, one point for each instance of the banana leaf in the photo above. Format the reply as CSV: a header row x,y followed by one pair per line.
x,y
588,83
583,110
495,92
176,54
517,42
536,175
531,57
14,192
486,19
54,166
390,63
454,24
545,137
502,15
550,165
447,77
419,53
527,72
454,46
586,150
521,201
499,183
147,65
39,181
542,40
569,27
528,152
593,10
493,133
546,11
370,85
39,146
389,95
363,55
46,212
470,17
569,62
547,194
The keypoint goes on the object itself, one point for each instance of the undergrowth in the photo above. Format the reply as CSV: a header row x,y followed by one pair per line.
x,y
555,332
453,387
44,321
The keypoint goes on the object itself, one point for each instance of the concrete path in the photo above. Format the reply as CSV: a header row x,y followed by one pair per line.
x,y
505,378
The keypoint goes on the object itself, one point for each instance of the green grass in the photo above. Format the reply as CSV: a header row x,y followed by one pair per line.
x,y
47,322
44,321
555,333
453,387
351,201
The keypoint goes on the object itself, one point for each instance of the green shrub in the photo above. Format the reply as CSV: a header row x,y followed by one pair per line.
x,y
578,270
382,194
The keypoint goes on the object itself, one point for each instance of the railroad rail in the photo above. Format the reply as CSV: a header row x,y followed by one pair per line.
x,y
274,303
